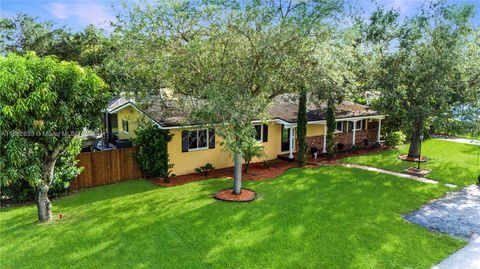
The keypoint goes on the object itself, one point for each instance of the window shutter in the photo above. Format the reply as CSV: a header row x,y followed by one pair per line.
x,y
211,137
184,141
265,133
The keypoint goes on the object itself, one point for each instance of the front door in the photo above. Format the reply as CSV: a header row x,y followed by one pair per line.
x,y
285,138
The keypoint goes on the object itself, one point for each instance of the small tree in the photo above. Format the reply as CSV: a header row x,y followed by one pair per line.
x,y
48,103
252,150
302,128
152,150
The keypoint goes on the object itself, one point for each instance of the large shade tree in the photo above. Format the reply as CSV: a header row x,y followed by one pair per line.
x,y
44,105
421,64
334,75
230,57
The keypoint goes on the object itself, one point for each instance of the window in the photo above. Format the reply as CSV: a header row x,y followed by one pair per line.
x,y
348,126
259,132
198,139
359,125
125,126
338,127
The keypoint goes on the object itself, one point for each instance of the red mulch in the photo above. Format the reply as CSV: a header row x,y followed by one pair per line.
x,y
404,157
227,195
417,172
257,171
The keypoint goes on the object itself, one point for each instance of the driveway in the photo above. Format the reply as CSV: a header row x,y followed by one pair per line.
x,y
457,214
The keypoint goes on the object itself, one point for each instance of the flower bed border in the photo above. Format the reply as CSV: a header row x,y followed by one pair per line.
x,y
405,158
414,172
227,195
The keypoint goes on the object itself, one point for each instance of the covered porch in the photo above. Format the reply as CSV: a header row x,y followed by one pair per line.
x,y
349,132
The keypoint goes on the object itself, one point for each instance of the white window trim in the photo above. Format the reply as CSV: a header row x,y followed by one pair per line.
x,y
261,132
361,125
198,148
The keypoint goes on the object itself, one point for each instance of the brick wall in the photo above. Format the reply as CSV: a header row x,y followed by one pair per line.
x,y
344,138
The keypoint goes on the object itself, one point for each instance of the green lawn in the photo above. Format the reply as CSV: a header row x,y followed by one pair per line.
x,y
328,217
451,162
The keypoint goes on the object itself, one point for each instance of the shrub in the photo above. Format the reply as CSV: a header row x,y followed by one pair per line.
x,y
152,151
208,167
377,145
340,147
251,151
395,139
270,163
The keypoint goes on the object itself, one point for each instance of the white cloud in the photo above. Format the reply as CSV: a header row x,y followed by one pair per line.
x,y
59,10
87,12
404,6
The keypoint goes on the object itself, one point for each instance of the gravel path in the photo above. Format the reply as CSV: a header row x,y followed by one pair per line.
x,y
457,214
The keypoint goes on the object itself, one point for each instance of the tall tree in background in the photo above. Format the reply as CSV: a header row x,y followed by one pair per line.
x,y
334,76
24,33
45,104
302,127
421,64
230,57
331,147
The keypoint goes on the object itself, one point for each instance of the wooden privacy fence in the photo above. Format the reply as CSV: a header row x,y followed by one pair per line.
x,y
106,167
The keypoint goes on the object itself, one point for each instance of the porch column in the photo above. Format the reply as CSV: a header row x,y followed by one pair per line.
x,y
378,131
354,131
324,138
291,144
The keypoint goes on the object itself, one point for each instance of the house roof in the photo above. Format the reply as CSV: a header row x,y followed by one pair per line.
x,y
286,109
168,113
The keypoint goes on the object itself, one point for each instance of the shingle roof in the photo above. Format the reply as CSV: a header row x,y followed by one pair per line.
x,y
286,108
168,113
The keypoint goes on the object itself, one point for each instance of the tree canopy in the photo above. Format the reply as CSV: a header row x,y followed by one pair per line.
x,y
44,104
420,68
234,56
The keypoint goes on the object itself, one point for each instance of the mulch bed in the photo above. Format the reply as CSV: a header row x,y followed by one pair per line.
x,y
257,171
417,172
404,157
246,195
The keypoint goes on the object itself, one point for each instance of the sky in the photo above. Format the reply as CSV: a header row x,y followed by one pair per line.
x,y
76,14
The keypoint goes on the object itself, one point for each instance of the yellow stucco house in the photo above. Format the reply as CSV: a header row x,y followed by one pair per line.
x,y
194,146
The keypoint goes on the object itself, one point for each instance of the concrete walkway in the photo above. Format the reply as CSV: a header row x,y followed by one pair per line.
x,y
466,258
378,170
459,140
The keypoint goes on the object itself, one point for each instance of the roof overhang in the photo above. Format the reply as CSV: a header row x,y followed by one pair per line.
x,y
277,120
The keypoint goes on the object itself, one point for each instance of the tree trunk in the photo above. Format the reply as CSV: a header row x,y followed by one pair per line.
x,y
302,128
44,205
245,169
237,174
413,150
